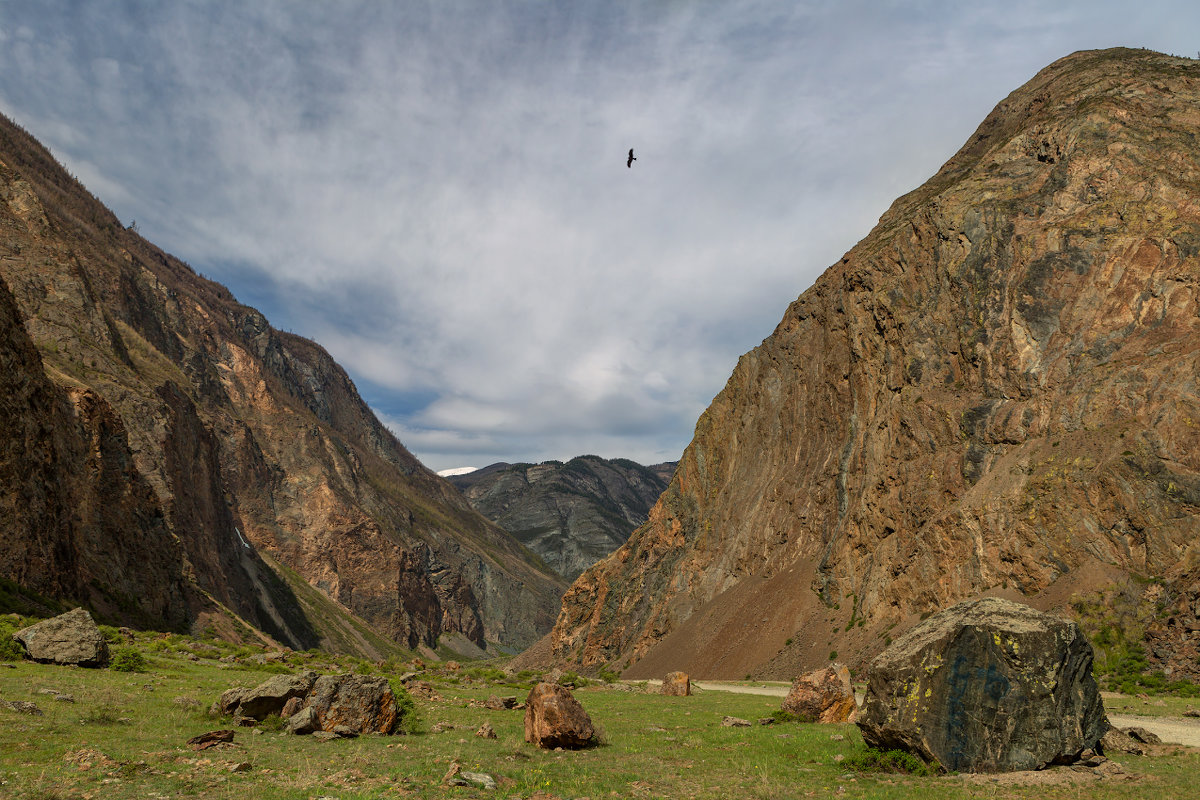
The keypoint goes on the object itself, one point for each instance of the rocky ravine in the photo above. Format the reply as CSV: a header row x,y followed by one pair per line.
x,y
172,458
571,514
995,392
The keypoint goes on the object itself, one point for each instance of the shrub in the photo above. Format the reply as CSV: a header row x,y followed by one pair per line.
x,y
406,710
609,675
10,648
572,680
890,761
128,659
779,715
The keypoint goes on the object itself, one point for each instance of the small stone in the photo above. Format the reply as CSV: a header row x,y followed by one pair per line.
x,y
245,722
345,731
210,739
837,737
735,722
486,731
243,766
22,707
324,736
480,779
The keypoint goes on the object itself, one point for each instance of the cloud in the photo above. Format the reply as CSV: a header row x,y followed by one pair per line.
x,y
437,191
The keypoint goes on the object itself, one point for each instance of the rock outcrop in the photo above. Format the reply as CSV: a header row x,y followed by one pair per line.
x,y
571,515
166,455
986,686
70,638
992,393
823,695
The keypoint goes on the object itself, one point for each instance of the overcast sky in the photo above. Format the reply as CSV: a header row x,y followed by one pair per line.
x,y
437,191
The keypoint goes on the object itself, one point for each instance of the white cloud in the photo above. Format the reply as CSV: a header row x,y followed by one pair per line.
x,y
438,194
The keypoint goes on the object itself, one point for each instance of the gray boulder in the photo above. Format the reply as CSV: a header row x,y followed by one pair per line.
x,y
70,638
270,696
986,686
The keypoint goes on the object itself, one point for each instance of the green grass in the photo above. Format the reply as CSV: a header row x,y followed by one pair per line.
x,y
125,737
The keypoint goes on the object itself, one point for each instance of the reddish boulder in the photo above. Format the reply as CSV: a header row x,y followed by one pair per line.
x,y
362,704
677,684
823,695
554,718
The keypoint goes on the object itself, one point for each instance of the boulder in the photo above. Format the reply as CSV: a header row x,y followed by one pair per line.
x,y
554,718
986,686
227,704
293,705
497,703
270,696
677,684
823,695
70,638
362,704
303,721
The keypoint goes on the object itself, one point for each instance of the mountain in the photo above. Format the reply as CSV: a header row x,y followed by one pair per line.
x,y
995,392
571,514
172,460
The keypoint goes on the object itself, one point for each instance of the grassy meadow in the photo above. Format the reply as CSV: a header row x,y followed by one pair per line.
x,y
125,733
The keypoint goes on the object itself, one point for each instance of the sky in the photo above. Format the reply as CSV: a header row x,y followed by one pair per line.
x,y
437,192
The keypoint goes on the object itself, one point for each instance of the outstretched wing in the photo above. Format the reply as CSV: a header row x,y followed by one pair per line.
x,y
630,160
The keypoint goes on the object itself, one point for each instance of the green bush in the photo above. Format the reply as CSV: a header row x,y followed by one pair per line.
x,y
609,675
890,761
406,710
572,680
779,715
127,659
10,648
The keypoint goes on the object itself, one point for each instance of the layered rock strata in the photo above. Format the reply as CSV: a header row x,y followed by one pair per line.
x,y
994,392
158,420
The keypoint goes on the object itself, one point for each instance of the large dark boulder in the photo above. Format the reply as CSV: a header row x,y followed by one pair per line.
x,y
986,686
70,638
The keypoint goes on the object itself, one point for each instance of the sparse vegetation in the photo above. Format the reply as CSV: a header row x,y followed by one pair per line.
x,y
128,659
889,761
123,739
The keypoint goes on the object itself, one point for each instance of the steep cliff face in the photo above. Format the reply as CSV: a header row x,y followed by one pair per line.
x,y
995,392
571,514
251,447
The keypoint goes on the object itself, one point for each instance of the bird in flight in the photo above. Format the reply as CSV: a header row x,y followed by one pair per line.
x,y
631,159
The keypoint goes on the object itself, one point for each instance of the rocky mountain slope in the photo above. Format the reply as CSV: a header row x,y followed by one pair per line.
x,y
173,460
571,514
995,392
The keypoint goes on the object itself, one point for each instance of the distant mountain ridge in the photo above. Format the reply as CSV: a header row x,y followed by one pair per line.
x,y
172,460
571,514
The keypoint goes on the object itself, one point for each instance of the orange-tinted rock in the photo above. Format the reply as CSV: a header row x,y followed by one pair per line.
x,y
554,718
823,695
362,704
994,392
677,684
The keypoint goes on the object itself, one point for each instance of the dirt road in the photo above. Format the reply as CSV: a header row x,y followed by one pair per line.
x,y
1175,730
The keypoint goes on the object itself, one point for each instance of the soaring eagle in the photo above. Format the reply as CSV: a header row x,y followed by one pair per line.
x,y
631,159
